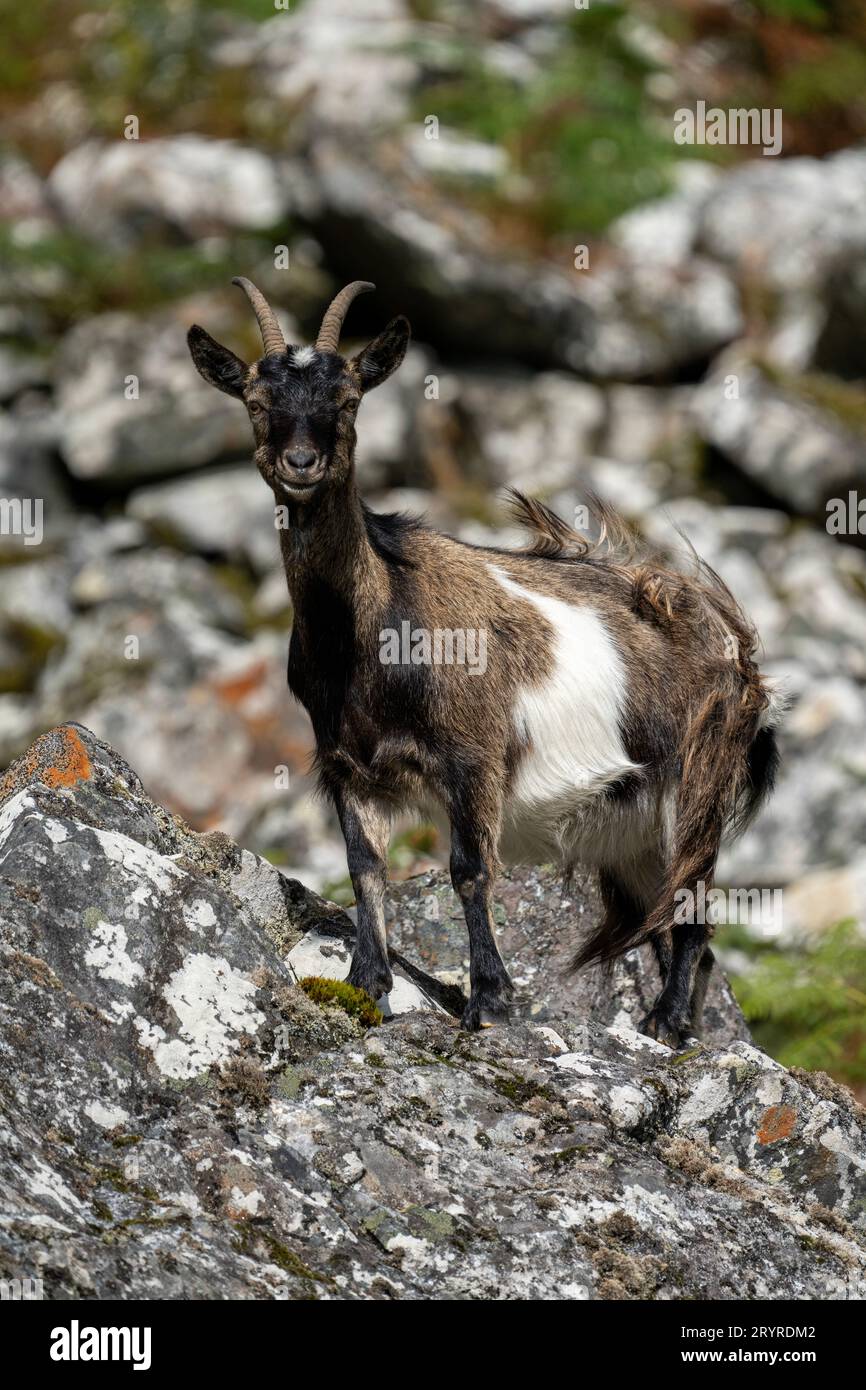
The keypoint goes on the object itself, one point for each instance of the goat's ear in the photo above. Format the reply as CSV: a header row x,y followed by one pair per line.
x,y
217,364
375,363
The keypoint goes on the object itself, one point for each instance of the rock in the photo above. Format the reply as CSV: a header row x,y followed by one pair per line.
x,y
22,192
226,512
456,156
187,1120
329,956
366,41
793,445
539,925
654,321
665,230
785,223
19,371
187,183
818,901
132,405
438,271
29,472
533,432
840,346
627,320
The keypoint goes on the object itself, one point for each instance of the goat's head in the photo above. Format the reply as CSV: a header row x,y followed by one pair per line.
x,y
302,401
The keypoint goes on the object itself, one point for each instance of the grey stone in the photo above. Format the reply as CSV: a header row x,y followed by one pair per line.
x,y
187,182
175,420
186,1122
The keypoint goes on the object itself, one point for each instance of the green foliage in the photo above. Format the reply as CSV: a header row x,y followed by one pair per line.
x,y
807,1008
580,132
147,57
355,1002
812,12
67,276
590,135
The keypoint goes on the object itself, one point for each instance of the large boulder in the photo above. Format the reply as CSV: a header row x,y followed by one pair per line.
x,y
132,406
187,183
181,1120
799,440
626,319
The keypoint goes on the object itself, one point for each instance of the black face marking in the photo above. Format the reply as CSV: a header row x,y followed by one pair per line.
x,y
303,400
302,405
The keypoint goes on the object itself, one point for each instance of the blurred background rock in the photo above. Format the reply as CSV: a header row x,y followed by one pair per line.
x,y
460,155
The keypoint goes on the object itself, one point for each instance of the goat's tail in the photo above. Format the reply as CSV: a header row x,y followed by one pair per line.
x,y
729,760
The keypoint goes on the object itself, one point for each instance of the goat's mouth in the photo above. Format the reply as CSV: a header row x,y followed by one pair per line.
x,y
302,482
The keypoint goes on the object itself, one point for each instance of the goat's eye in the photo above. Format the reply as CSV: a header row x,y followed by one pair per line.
x,y
256,409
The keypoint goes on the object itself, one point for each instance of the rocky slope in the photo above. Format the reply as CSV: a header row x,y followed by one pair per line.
x,y
180,1120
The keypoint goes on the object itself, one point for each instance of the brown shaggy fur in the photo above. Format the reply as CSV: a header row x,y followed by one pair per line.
x,y
694,724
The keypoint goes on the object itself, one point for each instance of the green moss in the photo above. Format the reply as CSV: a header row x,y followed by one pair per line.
x,y
278,1253
338,993
580,133
286,1258
562,1158
806,1006
516,1089
686,1056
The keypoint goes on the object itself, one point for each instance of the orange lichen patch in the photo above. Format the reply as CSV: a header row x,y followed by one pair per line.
x,y
58,758
71,766
235,689
777,1122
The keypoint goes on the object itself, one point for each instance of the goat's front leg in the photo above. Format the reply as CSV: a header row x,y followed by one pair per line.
x,y
473,874
366,829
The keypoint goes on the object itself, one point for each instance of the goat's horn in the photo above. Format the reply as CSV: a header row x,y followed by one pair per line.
x,y
329,333
272,336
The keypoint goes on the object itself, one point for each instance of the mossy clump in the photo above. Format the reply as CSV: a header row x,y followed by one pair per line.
x,y
338,993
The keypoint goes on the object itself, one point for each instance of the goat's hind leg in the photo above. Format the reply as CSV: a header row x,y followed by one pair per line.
x,y
699,990
366,829
670,1019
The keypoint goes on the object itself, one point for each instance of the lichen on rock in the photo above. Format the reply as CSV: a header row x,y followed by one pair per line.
x,y
182,1120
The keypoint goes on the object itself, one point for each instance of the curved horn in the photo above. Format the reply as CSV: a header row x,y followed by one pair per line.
x,y
329,333
272,336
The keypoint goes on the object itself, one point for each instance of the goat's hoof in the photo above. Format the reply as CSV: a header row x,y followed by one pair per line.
x,y
475,1018
486,1011
375,984
659,1024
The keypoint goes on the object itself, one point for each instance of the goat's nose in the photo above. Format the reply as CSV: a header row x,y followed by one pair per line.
x,y
299,458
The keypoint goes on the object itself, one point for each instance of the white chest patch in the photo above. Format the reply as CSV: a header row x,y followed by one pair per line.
x,y
571,723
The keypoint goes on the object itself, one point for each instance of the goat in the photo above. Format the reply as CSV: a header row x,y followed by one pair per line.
x,y
620,719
